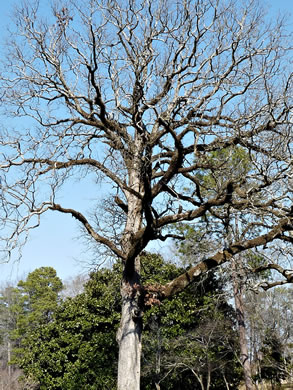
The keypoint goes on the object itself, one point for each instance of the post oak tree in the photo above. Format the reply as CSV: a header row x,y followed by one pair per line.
x,y
138,94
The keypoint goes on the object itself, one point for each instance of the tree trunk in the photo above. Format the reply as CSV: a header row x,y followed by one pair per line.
x,y
129,340
209,377
244,358
130,329
158,359
244,352
9,368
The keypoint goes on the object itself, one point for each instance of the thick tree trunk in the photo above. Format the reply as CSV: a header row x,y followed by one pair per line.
x,y
243,347
240,315
129,340
130,329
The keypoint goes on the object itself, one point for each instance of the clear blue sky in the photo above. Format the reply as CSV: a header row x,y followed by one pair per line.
x,y
54,243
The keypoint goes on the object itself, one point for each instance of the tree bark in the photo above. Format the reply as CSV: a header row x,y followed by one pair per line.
x,y
129,340
130,329
240,315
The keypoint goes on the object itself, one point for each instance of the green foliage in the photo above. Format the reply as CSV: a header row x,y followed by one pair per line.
x,y
225,164
75,348
36,299
197,243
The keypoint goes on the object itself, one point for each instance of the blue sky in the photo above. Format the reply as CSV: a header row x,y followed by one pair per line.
x,y
55,243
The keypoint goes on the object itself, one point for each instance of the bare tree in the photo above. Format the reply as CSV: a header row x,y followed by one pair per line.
x,y
270,311
74,286
139,94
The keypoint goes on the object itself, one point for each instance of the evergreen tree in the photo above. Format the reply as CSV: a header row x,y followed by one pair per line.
x,y
78,350
36,299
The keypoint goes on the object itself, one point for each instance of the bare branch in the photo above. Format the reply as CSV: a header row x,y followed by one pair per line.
x,y
80,217
225,255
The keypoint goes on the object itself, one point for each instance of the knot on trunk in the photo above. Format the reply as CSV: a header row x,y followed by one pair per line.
x,y
146,296
153,294
137,314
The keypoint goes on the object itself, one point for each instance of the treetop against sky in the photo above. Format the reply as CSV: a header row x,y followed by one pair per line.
x,y
36,249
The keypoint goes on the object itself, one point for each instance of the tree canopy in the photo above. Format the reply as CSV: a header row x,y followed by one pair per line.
x,y
142,95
